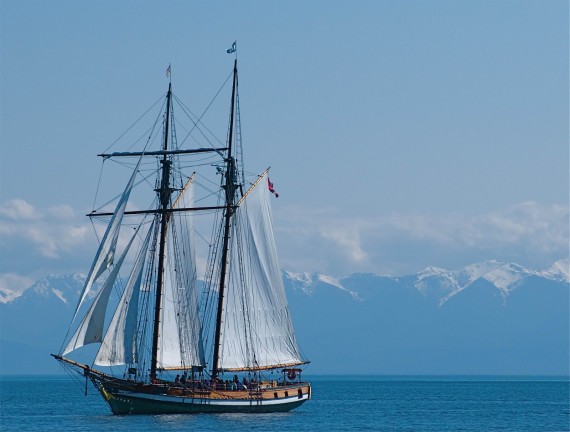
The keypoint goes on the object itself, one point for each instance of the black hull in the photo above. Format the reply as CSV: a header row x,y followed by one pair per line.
x,y
123,402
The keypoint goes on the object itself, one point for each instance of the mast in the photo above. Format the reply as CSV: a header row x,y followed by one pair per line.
x,y
164,192
230,189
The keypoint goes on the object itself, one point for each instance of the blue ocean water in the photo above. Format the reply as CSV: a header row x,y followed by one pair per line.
x,y
340,403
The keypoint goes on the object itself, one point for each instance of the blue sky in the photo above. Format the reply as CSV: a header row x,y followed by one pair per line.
x,y
401,134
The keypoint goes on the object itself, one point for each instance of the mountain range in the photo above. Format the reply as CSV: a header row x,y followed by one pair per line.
x,y
490,318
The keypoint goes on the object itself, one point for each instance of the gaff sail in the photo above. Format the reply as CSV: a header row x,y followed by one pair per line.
x,y
257,332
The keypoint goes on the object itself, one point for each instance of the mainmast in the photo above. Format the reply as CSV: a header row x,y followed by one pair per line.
x,y
164,192
230,188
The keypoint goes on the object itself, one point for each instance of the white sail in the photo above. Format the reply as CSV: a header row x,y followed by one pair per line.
x,y
91,328
119,346
106,252
257,332
180,338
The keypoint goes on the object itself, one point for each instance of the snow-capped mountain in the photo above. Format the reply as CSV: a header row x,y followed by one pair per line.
x,y
64,287
505,277
442,283
487,318
560,270
308,282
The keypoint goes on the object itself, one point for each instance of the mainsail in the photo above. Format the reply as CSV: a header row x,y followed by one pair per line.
x,y
180,337
257,332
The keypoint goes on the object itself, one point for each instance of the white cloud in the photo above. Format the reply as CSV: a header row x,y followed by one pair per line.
x,y
24,231
347,240
544,229
323,241
18,209
528,233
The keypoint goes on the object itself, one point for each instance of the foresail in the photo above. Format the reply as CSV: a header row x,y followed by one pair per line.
x,y
119,346
180,337
257,332
90,329
106,252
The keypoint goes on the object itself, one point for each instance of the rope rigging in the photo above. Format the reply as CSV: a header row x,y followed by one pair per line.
x,y
176,233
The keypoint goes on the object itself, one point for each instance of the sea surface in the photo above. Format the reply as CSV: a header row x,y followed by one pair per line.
x,y
339,403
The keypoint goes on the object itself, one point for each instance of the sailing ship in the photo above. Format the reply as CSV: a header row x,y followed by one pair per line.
x,y
166,340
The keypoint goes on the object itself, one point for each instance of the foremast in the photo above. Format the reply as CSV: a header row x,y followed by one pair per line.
x,y
230,189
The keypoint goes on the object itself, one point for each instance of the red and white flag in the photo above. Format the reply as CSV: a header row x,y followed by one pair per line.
x,y
271,189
